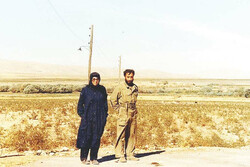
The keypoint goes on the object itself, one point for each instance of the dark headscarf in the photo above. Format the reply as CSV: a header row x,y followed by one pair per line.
x,y
97,87
92,75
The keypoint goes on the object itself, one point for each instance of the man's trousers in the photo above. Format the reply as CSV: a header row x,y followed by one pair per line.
x,y
126,132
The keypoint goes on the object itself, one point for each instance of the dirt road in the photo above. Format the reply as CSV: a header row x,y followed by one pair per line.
x,y
196,157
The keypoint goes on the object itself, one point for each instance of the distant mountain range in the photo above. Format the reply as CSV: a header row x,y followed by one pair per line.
x,y
18,69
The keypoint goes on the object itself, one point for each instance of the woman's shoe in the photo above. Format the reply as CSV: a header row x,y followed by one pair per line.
x,y
85,161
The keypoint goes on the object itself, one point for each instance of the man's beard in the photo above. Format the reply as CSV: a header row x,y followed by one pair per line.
x,y
129,84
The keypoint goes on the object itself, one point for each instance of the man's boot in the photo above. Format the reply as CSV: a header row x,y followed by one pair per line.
x,y
132,158
122,160
94,162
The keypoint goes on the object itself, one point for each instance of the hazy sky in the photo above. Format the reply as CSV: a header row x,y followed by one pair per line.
x,y
208,38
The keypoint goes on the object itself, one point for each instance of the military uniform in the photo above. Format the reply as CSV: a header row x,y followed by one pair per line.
x,y
123,99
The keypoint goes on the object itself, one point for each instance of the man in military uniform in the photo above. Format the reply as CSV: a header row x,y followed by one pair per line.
x,y
123,99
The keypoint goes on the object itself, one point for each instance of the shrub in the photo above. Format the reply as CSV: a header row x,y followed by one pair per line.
x,y
14,89
206,89
37,137
212,84
218,141
247,94
146,90
28,138
161,90
239,92
4,88
46,88
65,89
78,88
18,140
62,88
23,86
31,89
165,82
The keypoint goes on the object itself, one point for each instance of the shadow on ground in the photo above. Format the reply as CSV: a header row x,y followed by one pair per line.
x,y
140,155
6,156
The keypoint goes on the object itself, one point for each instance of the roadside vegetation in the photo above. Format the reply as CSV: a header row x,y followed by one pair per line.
x,y
153,88
49,124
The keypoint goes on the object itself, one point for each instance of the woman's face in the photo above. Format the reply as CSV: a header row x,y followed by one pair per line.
x,y
95,81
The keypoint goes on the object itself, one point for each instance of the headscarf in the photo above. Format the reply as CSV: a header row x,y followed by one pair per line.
x,y
97,87
92,75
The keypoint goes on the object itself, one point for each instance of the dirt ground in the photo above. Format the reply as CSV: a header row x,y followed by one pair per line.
x,y
170,157
174,157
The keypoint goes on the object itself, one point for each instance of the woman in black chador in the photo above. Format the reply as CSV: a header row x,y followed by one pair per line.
x,y
93,110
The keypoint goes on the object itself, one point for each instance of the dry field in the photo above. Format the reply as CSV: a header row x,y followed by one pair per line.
x,y
33,124
166,119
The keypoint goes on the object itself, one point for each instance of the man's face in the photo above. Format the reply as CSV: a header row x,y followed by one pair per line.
x,y
129,78
95,81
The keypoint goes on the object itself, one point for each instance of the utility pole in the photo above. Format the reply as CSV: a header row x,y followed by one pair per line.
x,y
90,50
120,64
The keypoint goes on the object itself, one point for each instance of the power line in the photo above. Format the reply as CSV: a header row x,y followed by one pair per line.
x,y
101,53
105,59
63,21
